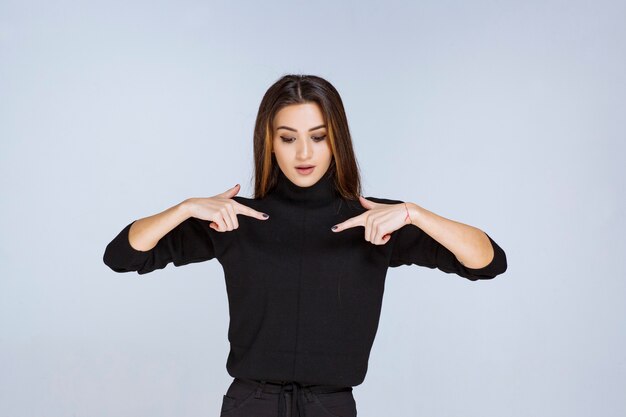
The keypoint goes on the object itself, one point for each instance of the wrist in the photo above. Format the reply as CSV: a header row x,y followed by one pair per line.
x,y
186,208
414,212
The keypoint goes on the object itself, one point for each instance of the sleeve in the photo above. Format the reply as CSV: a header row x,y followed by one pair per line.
x,y
188,242
413,246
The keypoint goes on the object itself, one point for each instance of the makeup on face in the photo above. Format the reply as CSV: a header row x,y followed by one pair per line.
x,y
301,143
305,171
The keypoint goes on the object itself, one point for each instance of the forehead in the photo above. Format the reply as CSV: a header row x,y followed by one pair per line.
x,y
299,115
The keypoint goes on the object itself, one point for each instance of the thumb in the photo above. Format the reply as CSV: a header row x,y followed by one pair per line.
x,y
230,192
367,203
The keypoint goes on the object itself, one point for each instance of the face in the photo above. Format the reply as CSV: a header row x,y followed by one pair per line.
x,y
300,139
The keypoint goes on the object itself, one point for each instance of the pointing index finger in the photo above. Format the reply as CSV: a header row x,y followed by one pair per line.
x,y
248,211
351,222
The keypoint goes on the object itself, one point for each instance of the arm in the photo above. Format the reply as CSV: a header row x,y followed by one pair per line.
x,y
470,245
152,242
453,247
145,233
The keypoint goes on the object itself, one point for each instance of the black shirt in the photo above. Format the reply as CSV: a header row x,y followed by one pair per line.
x,y
304,301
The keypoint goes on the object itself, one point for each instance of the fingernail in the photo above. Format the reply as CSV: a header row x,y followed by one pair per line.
x,y
334,227
265,215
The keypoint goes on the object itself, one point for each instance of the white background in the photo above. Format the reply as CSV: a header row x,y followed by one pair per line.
x,y
508,116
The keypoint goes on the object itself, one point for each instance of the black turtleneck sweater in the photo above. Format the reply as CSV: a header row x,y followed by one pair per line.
x,y
304,301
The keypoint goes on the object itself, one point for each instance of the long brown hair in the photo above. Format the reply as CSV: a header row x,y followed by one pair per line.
x,y
300,89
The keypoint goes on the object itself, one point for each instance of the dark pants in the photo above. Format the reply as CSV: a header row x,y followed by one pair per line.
x,y
254,398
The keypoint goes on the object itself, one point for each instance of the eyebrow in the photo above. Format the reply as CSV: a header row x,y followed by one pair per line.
x,y
294,130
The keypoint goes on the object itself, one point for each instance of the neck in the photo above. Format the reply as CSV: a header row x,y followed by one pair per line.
x,y
318,194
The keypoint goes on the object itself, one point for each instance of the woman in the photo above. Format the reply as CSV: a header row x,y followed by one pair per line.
x,y
306,261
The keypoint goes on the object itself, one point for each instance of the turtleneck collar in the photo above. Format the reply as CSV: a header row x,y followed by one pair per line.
x,y
318,194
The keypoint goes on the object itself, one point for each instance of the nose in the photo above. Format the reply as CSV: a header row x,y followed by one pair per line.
x,y
304,150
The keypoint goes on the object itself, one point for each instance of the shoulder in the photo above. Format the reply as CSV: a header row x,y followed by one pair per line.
x,y
355,206
248,201
384,200
241,199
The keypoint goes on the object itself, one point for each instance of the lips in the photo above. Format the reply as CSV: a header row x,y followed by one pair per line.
x,y
305,166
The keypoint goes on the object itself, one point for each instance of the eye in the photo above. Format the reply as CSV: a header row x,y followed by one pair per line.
x,y
315,138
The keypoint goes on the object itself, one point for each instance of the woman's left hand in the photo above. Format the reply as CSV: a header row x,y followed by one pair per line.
x,y
380,220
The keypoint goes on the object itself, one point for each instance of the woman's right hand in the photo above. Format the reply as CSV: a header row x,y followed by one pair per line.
x,y
222,210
